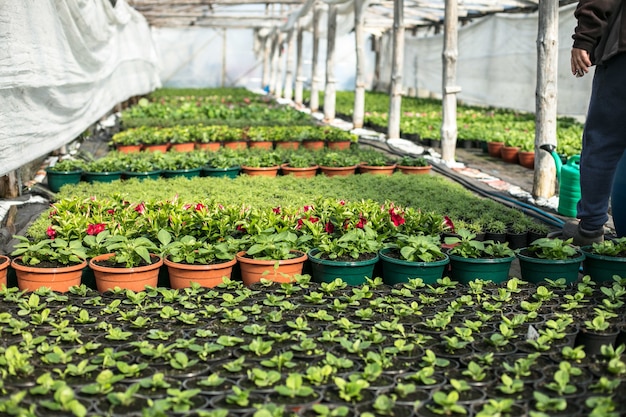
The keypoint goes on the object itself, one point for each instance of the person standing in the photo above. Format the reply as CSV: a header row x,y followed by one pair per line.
x,y
600,40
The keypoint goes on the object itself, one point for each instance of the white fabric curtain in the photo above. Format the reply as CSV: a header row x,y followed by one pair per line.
x,y
63,65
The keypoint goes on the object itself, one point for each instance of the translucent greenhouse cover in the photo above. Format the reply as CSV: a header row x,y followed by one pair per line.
x,y
63,65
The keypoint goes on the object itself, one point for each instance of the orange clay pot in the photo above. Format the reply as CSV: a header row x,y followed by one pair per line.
x,y
252,270
209,276
30,278
136,279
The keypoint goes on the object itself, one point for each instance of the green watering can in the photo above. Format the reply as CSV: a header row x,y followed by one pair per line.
x,y
568,175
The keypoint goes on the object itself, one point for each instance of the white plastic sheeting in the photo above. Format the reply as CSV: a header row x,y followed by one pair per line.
x,y
497,63
63,65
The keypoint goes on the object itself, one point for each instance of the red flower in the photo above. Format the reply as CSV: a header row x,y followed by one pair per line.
x,y
396,218
276,210
361,223
308,208
200,207
313,219
448,223
241,229
53,213
329,227
299,224
111,211
51,232
342,202
186,206
94,229
141,208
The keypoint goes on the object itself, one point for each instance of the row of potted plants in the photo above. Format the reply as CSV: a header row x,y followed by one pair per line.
x,y
313,349
188,137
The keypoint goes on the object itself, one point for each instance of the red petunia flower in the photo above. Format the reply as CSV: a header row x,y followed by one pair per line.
x,y
361,223
141,208
276,210
329,227
313,219
342,202
186,206
200,207
396,218
448,223
308,208
111,211
94,229
241,229
51,232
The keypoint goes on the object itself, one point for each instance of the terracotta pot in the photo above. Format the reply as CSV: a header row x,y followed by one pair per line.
x,y
261,171
157,148
509,154
288,144
338,171
5,261
182,275
526,159
265,144
377,170
339,146
494,148
211,146
414,170
30,278
128,148
313,145
183,147
307,172
252,270
239,144
136,279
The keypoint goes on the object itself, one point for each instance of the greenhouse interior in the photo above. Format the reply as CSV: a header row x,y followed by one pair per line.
x,y
308,208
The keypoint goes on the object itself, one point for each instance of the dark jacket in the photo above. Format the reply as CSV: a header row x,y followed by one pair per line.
x,y
601,28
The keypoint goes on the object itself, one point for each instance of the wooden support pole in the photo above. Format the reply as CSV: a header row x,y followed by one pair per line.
x,y
299,76
449,87
289,69
358,112
544,180
397,67
331,83
315,99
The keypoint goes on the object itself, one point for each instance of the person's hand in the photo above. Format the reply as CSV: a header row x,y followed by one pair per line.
x,y
580,62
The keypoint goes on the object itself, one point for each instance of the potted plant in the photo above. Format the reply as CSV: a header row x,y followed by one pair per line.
x,y
350,256
126,141
550,258
604,260
471,259
284,137
186,164
300,164
66,171
209,138
311,137
408,256
131,263
181,139
375,162
264,164
53,263
337,139
338,163
154,139
105,169
260,137
414,165
141,166
233,138
225,163
190,260
273,256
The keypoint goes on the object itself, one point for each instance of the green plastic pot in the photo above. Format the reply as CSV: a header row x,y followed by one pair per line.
x,y
182,173
92,177
231,172
536,270
466,270
601,268
397,271
57,179
149,175
353,273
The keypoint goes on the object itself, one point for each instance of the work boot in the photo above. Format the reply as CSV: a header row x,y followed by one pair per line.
x,y
584,237
570,228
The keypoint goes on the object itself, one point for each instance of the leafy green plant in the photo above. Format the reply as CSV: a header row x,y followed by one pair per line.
x,y
552,248
52,251
420,248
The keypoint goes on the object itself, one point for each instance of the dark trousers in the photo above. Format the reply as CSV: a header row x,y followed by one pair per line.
x,y
604,141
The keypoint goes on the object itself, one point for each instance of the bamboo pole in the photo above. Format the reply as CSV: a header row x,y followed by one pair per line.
x,y
544,180
299,77
449,87
397,63
315,99
330,91
289,70
358,113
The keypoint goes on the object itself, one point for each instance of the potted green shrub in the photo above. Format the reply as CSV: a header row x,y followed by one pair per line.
x,y
550,259
266,164
54,263
472,259
225,163
338,163
605,260
413,165
65,171
377,163
300,164
106,169
407,256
